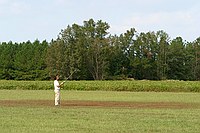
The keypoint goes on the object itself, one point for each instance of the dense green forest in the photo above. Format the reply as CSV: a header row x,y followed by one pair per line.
x,y
96,54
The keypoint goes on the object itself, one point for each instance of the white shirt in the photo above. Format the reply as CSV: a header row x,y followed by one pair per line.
x,y
56,84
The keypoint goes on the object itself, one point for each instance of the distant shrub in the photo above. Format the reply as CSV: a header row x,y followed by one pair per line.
x,y
120,85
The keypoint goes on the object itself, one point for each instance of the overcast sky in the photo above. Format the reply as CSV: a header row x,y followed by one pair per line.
x,y
22,20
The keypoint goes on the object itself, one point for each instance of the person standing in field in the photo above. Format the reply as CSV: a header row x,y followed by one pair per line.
x,y
57,90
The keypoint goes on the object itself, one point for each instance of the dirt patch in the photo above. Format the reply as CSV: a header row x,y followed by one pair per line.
x,y
107,104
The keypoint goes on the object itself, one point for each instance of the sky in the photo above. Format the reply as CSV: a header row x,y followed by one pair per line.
x,y
23,20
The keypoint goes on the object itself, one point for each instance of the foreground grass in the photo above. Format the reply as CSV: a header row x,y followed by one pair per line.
x,y
49,120
94,119
136,86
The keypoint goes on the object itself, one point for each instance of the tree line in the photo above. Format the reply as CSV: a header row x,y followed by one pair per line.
x,y
98,55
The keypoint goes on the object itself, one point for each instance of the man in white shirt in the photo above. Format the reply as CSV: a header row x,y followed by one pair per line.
x,y
57,90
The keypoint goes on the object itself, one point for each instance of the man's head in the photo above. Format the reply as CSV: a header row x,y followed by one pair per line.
x,y
57,77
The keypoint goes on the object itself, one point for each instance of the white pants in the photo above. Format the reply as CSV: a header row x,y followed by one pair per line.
x,y
57,97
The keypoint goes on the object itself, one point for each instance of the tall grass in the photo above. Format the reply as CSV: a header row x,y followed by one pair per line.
x,y
143,85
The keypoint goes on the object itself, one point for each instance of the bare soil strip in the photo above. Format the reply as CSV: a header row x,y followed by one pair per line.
x,y
103,104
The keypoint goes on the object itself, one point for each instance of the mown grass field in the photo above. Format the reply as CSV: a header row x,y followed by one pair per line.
x,y
99,119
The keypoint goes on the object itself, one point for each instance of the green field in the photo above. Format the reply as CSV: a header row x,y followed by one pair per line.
x,y
86,119
135,85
